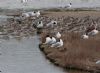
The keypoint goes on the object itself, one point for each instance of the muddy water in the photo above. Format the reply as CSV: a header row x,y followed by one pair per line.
x,y
48,3
24,56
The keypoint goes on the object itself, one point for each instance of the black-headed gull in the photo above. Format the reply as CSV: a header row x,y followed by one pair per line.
x,y
51,24
48,40
53,40
69,5
40,24
59,43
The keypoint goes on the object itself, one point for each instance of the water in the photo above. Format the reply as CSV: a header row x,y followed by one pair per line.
x,y
48,3
24,56
3,19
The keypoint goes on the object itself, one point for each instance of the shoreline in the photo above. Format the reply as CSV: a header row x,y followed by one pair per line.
x,y
60,8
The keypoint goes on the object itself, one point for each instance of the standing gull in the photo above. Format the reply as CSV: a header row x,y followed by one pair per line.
x,y
69,5
37,13
58,35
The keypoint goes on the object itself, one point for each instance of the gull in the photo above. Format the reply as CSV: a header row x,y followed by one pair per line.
x,y
98,62
58,35
84,36
48,40
40,24
25,15
59,43
52,23
69,5
37,13
53,40
32,13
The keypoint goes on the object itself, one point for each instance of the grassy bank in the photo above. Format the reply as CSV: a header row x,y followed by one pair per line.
x,y
76,54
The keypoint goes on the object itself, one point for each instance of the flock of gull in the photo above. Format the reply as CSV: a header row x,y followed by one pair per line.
x,y
52,40
56,41
52,23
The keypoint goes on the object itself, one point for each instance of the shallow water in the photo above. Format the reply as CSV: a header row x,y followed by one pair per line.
x,y
4,17
48,3
24,56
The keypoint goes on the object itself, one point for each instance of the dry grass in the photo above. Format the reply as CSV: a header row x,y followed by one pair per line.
x,y
74,71
76,53
73,14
